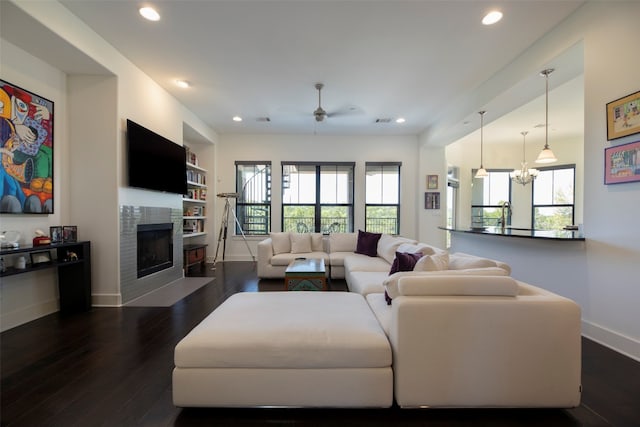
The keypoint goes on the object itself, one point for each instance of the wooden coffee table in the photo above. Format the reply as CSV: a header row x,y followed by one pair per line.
x,y
306,275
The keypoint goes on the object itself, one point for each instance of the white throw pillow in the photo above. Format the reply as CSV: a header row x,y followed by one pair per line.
x,y
316,242
300,243
388,245
281,243
436,262
411,248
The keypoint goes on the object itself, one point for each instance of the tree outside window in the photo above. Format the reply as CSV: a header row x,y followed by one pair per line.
x,y
487,196
382,210
553,198
317,197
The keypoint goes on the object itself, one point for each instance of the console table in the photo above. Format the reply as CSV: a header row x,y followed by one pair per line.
x,y
73,263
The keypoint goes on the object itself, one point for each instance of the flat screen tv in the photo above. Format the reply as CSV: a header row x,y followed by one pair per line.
x,y
154,162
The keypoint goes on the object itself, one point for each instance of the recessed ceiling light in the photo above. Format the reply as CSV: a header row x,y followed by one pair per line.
x,y
183,84
400,120
149,13
237,119
492,17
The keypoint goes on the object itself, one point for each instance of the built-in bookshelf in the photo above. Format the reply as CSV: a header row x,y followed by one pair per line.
x,y
194,202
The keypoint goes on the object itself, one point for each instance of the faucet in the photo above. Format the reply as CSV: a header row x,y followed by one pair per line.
x,y
506,206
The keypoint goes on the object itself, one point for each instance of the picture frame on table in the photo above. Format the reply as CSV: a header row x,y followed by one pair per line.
x,y
623,116
622,163
70,233
55,233
432,182
42,257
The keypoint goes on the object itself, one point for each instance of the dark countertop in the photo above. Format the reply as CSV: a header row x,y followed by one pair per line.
x,y
565,235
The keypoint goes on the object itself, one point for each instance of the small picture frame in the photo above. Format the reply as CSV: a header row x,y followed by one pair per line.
x,y
56,234
70,233
432,182
623,116
432,200
622,163
42,257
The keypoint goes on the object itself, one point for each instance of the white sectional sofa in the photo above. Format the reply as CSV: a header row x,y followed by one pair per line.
x,y
460,331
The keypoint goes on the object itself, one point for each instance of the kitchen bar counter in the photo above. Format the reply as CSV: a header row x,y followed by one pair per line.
x,y
564,235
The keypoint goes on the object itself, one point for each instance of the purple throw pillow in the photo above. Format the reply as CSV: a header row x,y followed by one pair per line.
x,y
367,243
404,262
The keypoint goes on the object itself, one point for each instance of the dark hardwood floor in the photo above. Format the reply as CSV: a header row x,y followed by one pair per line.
x,y
112,367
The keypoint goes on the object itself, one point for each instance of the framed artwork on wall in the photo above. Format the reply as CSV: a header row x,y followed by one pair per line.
x,y
622,163
26,139
432,200
432,182
623,116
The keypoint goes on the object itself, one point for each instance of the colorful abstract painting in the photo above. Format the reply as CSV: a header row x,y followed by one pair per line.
x,y
622,163
26,146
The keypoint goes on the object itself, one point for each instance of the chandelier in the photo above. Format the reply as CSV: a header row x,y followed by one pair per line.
x,y
523,175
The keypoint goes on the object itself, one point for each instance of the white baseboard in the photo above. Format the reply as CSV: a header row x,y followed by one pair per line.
x,y
106,300
614,340
27,314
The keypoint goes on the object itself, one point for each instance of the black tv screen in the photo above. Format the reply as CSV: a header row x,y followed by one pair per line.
x,y
154,162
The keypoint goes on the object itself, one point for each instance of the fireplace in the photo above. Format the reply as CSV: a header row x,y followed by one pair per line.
x,y
155,248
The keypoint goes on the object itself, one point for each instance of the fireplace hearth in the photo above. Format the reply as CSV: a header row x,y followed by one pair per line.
x,y
155,248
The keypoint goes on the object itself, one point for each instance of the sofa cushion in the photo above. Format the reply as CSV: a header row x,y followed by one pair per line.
x,y
316,242
300,243
499,286
359,262
281,242
367,243
287,330
342,242
365,282
405,261
391,282
388,245
436,262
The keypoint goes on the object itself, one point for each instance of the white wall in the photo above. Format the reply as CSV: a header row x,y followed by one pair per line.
x,y
278,148
89,160
603,274
30,296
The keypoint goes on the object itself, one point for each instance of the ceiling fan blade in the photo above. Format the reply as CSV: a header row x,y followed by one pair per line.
x,y
349,110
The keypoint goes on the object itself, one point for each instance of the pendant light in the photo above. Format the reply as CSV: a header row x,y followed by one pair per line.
x,y
523,175
482,172
546,155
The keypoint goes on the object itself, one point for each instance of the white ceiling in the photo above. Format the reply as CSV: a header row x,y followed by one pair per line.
x,y
386,59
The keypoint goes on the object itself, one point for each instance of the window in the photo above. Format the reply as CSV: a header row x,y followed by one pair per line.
x,y
253,203
553,197
452,201
487,197
317,197
382,210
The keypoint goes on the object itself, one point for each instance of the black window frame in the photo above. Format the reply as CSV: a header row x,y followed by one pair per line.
x,y
263,172
367,226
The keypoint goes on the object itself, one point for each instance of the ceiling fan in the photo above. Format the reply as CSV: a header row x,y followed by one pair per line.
x,y
319,113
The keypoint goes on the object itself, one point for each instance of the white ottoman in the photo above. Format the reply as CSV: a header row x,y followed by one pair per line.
x,y
293,349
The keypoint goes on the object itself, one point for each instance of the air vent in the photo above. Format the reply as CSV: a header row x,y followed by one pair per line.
x,y
263,119
384,120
